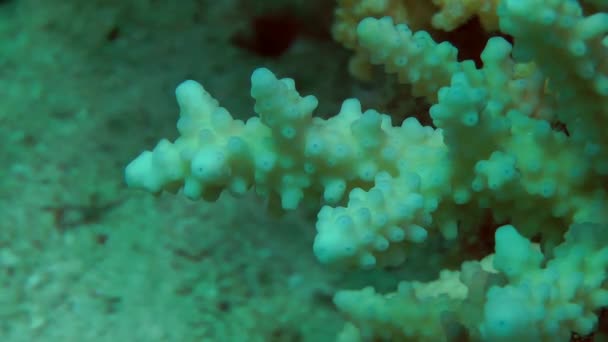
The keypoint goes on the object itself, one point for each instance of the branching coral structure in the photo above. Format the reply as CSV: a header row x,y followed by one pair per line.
x,y
522,137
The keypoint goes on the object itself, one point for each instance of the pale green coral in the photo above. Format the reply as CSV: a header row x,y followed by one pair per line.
x,y
382,188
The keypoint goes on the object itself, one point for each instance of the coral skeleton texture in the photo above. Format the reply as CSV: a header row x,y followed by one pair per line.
x,y
522,137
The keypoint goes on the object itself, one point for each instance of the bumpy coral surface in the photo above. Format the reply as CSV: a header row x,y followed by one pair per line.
x,y
522,137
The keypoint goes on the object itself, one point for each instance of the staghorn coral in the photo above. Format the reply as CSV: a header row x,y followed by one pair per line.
x,y
444,15
383,189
